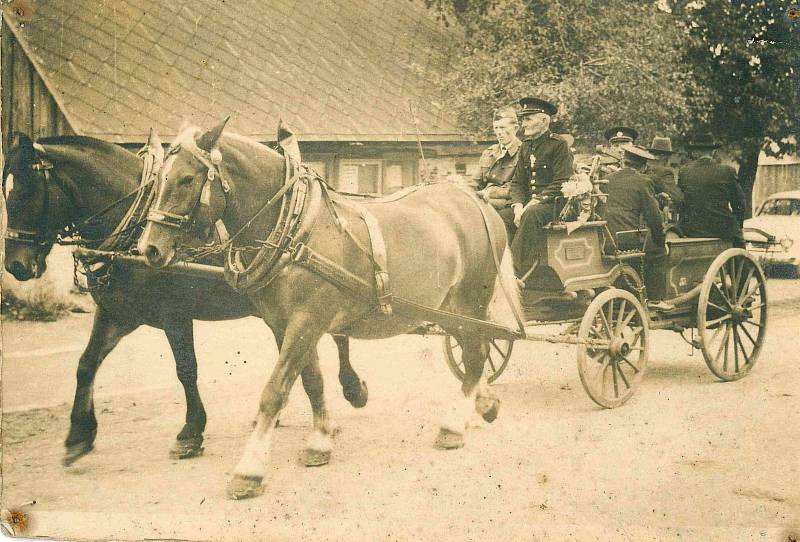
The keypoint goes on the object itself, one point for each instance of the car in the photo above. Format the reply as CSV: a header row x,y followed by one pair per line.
x,y
773,234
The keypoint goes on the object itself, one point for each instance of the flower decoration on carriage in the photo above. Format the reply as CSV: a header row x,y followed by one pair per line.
x,y
578,193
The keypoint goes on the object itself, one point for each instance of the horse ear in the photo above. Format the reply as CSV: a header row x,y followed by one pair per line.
x,y
155,148
209,139
288,142
24,143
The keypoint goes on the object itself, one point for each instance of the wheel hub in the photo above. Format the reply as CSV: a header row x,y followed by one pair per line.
x,y
739,314
619,347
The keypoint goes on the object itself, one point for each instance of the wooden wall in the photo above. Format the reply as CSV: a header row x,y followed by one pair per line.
x,y
772,178
27,105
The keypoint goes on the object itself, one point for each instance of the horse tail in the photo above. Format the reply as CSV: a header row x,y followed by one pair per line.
x,y
505,307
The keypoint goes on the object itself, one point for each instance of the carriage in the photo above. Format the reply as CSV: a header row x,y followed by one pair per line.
x,y
594,294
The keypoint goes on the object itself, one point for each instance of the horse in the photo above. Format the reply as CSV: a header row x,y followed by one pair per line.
x,y
442,248
89,184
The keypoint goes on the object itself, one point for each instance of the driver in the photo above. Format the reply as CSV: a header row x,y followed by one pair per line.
x,y
544,164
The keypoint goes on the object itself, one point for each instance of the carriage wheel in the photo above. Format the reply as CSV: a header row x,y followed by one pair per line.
x,y
732,314
496,361
613,358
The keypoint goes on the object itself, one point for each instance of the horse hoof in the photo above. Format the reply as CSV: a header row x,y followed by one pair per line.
x,y
186,448
357,397
75,452
488,407
449,440
315,458
244,487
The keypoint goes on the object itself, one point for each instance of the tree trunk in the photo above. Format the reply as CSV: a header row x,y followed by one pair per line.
x,y
748,166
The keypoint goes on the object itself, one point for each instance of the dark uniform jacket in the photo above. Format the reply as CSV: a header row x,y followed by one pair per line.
x,y
714,204
664,181
544,164
632,202
496,167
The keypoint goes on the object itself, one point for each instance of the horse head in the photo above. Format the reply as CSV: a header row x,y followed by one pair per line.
x,y
29,233
196,188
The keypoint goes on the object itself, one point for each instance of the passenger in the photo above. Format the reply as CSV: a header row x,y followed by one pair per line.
x,y
632,202
714,204
544,164
496,167
610,153
662,174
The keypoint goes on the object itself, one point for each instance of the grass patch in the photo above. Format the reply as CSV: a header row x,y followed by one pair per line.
x,y
40,304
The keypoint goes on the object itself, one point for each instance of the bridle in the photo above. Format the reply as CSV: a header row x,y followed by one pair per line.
x,y
212,161
40,238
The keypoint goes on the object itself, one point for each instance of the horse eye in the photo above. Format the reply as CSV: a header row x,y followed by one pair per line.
x,y
183,181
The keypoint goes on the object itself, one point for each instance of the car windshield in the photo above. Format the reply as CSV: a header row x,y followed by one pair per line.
x,y
783,207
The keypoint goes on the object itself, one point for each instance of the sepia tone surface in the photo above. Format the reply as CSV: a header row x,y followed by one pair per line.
x,y
687,458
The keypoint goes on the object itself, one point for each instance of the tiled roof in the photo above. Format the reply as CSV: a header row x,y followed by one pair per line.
x,y
333,69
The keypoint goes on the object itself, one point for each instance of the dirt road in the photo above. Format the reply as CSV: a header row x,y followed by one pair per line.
x,y
687,458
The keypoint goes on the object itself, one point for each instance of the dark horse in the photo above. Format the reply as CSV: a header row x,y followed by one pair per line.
x,y
442,248
60,181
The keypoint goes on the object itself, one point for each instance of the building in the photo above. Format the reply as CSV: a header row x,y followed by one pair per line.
x,y
353,78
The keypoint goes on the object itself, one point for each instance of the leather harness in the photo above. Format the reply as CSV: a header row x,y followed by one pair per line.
x,y
301,199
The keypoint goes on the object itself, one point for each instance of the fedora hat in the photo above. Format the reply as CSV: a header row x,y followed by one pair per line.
x,y
703,140
661,145
530,106
636,153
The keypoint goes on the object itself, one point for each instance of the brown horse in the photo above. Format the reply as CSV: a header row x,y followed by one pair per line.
x,y
441,246
63,181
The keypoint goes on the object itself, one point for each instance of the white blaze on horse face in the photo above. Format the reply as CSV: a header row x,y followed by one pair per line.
x,y
9,185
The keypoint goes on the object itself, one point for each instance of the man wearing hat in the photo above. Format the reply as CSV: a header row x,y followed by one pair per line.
x,y
496,167
714,203
611,153
545,162
664,176
631,203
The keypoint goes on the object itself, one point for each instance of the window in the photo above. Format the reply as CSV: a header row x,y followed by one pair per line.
x,y
784,207
362,176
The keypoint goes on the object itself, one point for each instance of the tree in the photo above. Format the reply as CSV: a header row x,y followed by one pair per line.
x,y
747,53
619,63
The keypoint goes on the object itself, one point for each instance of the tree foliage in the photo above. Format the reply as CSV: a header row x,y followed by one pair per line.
x,y
619,61
747,54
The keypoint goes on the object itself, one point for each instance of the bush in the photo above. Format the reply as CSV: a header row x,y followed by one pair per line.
x,y
40,304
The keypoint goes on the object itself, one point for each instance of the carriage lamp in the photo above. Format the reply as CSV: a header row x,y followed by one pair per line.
x,y
786,243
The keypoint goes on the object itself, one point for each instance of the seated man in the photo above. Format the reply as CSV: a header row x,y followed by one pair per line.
x,y
714,203
496,166
632,202
545,162
663,175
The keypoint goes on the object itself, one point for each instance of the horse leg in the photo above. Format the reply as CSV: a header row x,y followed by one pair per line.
x,y
189,442
301,334
456,418
320,442
354,389
106,334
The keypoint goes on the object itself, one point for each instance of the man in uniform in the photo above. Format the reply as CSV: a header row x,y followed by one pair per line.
x,y
545,163
496,167
632,202
714,203
611,152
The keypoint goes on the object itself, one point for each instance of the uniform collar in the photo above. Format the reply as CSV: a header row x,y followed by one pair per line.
x,y
513,147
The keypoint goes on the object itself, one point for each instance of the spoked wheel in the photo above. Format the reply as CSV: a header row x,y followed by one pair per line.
x,y
732,314
499,354
612,355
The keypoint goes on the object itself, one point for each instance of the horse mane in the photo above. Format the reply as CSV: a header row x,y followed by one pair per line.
x,y
78,140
